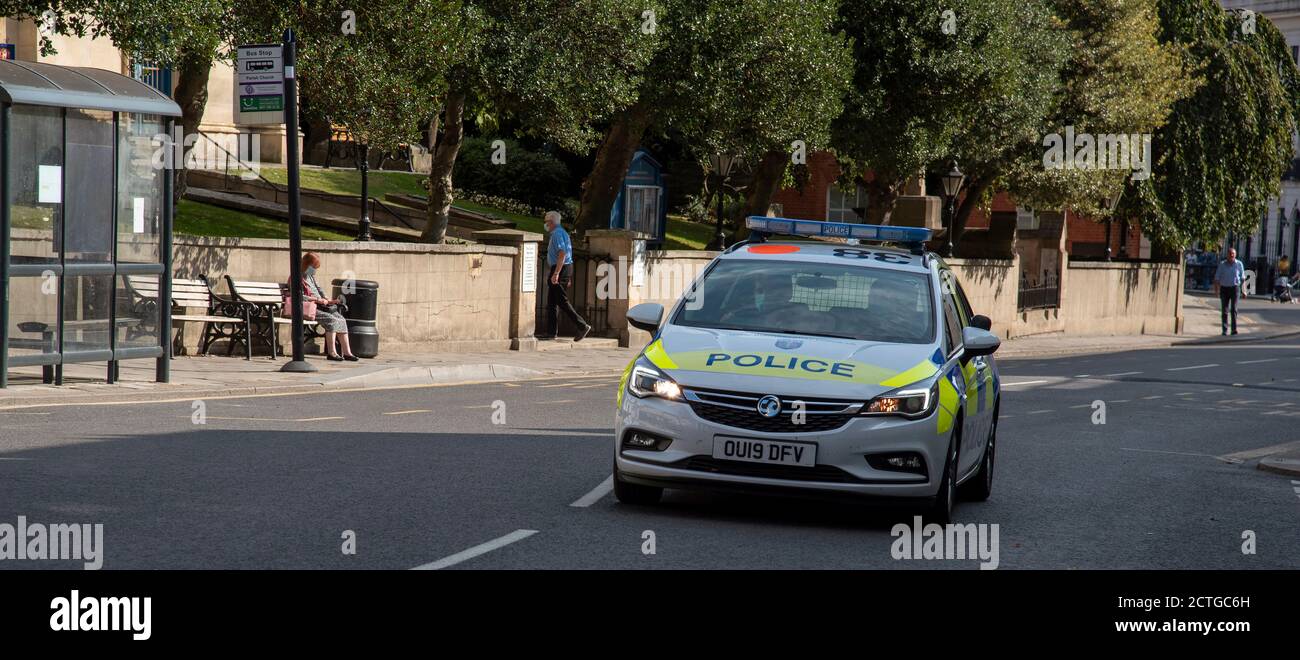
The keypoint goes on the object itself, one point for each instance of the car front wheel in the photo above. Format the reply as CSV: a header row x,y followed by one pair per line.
x,y
628,493
941,510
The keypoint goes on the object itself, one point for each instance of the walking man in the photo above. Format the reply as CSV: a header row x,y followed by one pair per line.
x,y
1227,280
559,260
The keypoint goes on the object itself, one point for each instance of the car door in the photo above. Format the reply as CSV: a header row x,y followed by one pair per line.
x,y
983,370
966,376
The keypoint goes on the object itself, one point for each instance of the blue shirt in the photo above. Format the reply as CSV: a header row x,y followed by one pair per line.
x,y
559,241
1230,274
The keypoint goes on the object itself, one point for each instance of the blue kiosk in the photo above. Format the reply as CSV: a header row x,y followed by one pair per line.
x,y
641,203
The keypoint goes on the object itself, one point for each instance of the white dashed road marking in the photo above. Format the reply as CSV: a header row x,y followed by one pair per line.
x,y
480,549
595,494
1198,366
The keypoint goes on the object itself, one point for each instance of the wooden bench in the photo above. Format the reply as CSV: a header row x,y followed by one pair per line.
x,y
266,299
223,318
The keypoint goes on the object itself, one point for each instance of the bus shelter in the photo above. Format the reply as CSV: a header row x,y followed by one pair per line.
x,y
85,219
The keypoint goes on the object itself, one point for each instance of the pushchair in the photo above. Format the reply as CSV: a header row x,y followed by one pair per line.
x,y
1282,290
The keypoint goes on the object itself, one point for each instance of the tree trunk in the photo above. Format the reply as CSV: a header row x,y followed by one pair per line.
x,y
767,180
441,192
612,160
318,133
192,96
974,191
882,196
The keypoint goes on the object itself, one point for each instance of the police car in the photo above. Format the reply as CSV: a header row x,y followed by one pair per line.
x,y
814,367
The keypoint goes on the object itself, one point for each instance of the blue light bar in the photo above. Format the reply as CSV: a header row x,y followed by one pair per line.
x,y
912,235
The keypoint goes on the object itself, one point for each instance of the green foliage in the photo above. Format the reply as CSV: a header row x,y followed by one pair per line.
x,y
748,77
380,81
1220,157
156,31
557,66
1119,79
536,179
921,96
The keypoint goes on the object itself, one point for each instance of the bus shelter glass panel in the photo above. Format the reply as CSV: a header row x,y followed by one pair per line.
x,y
139,189
36,175
140,175
87,236
36,179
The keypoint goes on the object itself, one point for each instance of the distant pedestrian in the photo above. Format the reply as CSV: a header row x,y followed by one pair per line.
x,y
1227,281
559,260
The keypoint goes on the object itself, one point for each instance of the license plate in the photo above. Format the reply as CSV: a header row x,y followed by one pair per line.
x,y
773,452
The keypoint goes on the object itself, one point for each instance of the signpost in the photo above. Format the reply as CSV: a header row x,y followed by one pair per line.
x,y
260,84
289,97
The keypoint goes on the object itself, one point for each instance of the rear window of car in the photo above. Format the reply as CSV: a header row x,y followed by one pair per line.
x,y
812,298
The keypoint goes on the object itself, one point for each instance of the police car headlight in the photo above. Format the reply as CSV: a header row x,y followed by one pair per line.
x,y
912,402
646,381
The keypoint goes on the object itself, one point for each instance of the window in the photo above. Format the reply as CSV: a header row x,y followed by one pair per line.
x,y
952,324
866,304
840,204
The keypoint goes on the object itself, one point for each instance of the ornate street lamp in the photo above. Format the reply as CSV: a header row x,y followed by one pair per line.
x,y
363,163
1110,203
952,182
722,165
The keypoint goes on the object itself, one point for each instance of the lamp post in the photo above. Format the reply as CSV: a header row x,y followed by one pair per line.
x,y
722,165
363,230
1110,203
952,182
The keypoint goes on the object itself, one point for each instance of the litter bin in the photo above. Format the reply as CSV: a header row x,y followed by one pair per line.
x,y
363,306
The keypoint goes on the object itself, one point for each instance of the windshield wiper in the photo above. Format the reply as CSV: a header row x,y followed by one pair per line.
x,y
813,334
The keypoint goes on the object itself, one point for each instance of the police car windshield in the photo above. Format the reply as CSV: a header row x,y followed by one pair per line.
x,y
829,300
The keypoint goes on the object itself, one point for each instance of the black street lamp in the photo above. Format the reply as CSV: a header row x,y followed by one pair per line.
x,y
722,165
1110,203
363,230
952,182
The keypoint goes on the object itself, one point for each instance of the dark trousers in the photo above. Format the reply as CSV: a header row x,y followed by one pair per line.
x,y
557,299
1228,306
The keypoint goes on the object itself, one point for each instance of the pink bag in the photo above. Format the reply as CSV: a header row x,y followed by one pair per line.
x,y
308,310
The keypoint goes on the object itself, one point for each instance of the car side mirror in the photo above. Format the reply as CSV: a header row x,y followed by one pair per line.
x,y
978,341
646,316
982,322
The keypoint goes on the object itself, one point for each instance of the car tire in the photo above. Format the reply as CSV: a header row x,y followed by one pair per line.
x,y
946,499
628,493
980,485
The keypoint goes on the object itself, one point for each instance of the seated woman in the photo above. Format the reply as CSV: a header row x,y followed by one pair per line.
x,y
327,311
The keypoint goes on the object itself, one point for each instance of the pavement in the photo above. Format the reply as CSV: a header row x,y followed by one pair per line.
x,y
1123,460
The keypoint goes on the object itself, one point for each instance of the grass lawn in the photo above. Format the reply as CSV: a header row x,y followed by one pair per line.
x,y
199,219
682,234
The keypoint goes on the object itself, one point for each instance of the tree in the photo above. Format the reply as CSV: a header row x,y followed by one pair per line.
x,y
554,66
1220,157
186,35
744,78
377,69
1118,79
970,79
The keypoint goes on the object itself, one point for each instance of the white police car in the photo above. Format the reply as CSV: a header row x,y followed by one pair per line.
x,y
813,367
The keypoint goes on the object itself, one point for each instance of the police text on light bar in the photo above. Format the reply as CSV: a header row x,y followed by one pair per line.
x,y
837,230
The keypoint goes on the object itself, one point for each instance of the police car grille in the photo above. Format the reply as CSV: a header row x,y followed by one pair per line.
x,y
823,473
739,410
